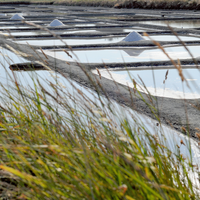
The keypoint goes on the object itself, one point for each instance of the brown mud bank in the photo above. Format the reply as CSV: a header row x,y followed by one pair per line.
x,y
159,4
144,4
129,4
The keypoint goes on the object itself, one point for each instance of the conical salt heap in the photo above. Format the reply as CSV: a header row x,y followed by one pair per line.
x,y
17,17
56,22
132,37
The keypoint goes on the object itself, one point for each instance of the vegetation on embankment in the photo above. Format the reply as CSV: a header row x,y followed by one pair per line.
x,y
145,4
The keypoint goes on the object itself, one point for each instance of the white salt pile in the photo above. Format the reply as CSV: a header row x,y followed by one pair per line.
x,y
17,17
133,36
56,22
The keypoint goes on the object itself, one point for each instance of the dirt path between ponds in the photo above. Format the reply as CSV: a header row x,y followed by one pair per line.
x,y
171,111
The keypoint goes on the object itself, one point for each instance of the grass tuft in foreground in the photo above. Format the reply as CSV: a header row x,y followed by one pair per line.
x,y
55,145
64,143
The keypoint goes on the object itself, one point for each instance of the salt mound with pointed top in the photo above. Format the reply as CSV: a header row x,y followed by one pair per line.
x,y
133,36
17,17
56,22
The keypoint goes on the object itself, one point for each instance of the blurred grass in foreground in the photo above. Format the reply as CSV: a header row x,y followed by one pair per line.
x,y
55,145
59,146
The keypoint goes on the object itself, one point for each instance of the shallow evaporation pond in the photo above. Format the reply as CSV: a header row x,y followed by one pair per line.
x,y
46,33
106,23
82,25
153,80
36,22
118,30
80,31
14,27
137,30
25,33
79,20
172,38
21,14
176,24
126,55
70,41
26,80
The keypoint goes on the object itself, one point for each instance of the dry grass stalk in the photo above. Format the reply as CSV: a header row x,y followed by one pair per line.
x,y
180,70
182,142
197,135
43,53
183,129
166,76
67,53
98,73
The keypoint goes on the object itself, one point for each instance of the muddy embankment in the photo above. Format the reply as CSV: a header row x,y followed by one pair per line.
x,y
144,4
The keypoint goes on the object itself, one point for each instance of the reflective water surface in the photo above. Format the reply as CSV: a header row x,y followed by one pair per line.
x,y
172,38
46,33
154,80
54,42
13,27
136,29
127,55
85,24
175,24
